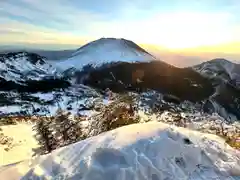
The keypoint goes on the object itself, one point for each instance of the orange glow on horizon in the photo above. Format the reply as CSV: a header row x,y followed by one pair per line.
x,y
231,48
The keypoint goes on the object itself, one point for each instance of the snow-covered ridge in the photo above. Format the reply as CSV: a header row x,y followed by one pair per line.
x,y
22,65
105,50
220,68
141,151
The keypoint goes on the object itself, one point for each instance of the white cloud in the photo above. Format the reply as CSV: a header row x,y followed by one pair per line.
x,y
19,32
59,21
54,14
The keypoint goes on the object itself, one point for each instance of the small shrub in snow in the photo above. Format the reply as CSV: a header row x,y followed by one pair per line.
x,y
234,142
57,131
119,112
7,121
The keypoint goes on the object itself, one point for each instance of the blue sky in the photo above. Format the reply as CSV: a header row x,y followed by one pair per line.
x,y
171,24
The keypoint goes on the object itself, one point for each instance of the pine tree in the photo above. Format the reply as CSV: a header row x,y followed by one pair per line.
x,y
67,130
119,112
57,131
45,136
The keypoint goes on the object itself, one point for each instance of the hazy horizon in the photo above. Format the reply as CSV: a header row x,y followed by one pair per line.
x,y
176,58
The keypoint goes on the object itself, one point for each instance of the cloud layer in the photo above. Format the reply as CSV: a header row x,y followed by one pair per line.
x,y
172,24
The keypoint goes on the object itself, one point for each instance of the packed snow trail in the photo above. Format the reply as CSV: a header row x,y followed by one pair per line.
x,y
152,150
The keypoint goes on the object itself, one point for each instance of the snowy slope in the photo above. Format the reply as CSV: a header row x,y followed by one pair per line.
x,y
225,100
22,66
221,69
154,151
104,50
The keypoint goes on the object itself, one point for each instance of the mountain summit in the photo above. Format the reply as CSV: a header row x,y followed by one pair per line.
x,y
221,69
22,66
105,50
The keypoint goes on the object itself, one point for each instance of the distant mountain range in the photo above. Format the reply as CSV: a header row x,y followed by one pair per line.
x,y
30,82
48,54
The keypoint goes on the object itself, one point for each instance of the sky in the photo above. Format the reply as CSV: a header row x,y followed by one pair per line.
x,y
209,26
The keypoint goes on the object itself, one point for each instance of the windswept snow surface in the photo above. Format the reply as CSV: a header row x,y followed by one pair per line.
x,y
152,150
104,50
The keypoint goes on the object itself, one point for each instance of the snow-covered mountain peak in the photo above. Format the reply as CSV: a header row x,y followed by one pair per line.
x,y
19,66
31,57
220,60
217,63
115,43
221,69
105,50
